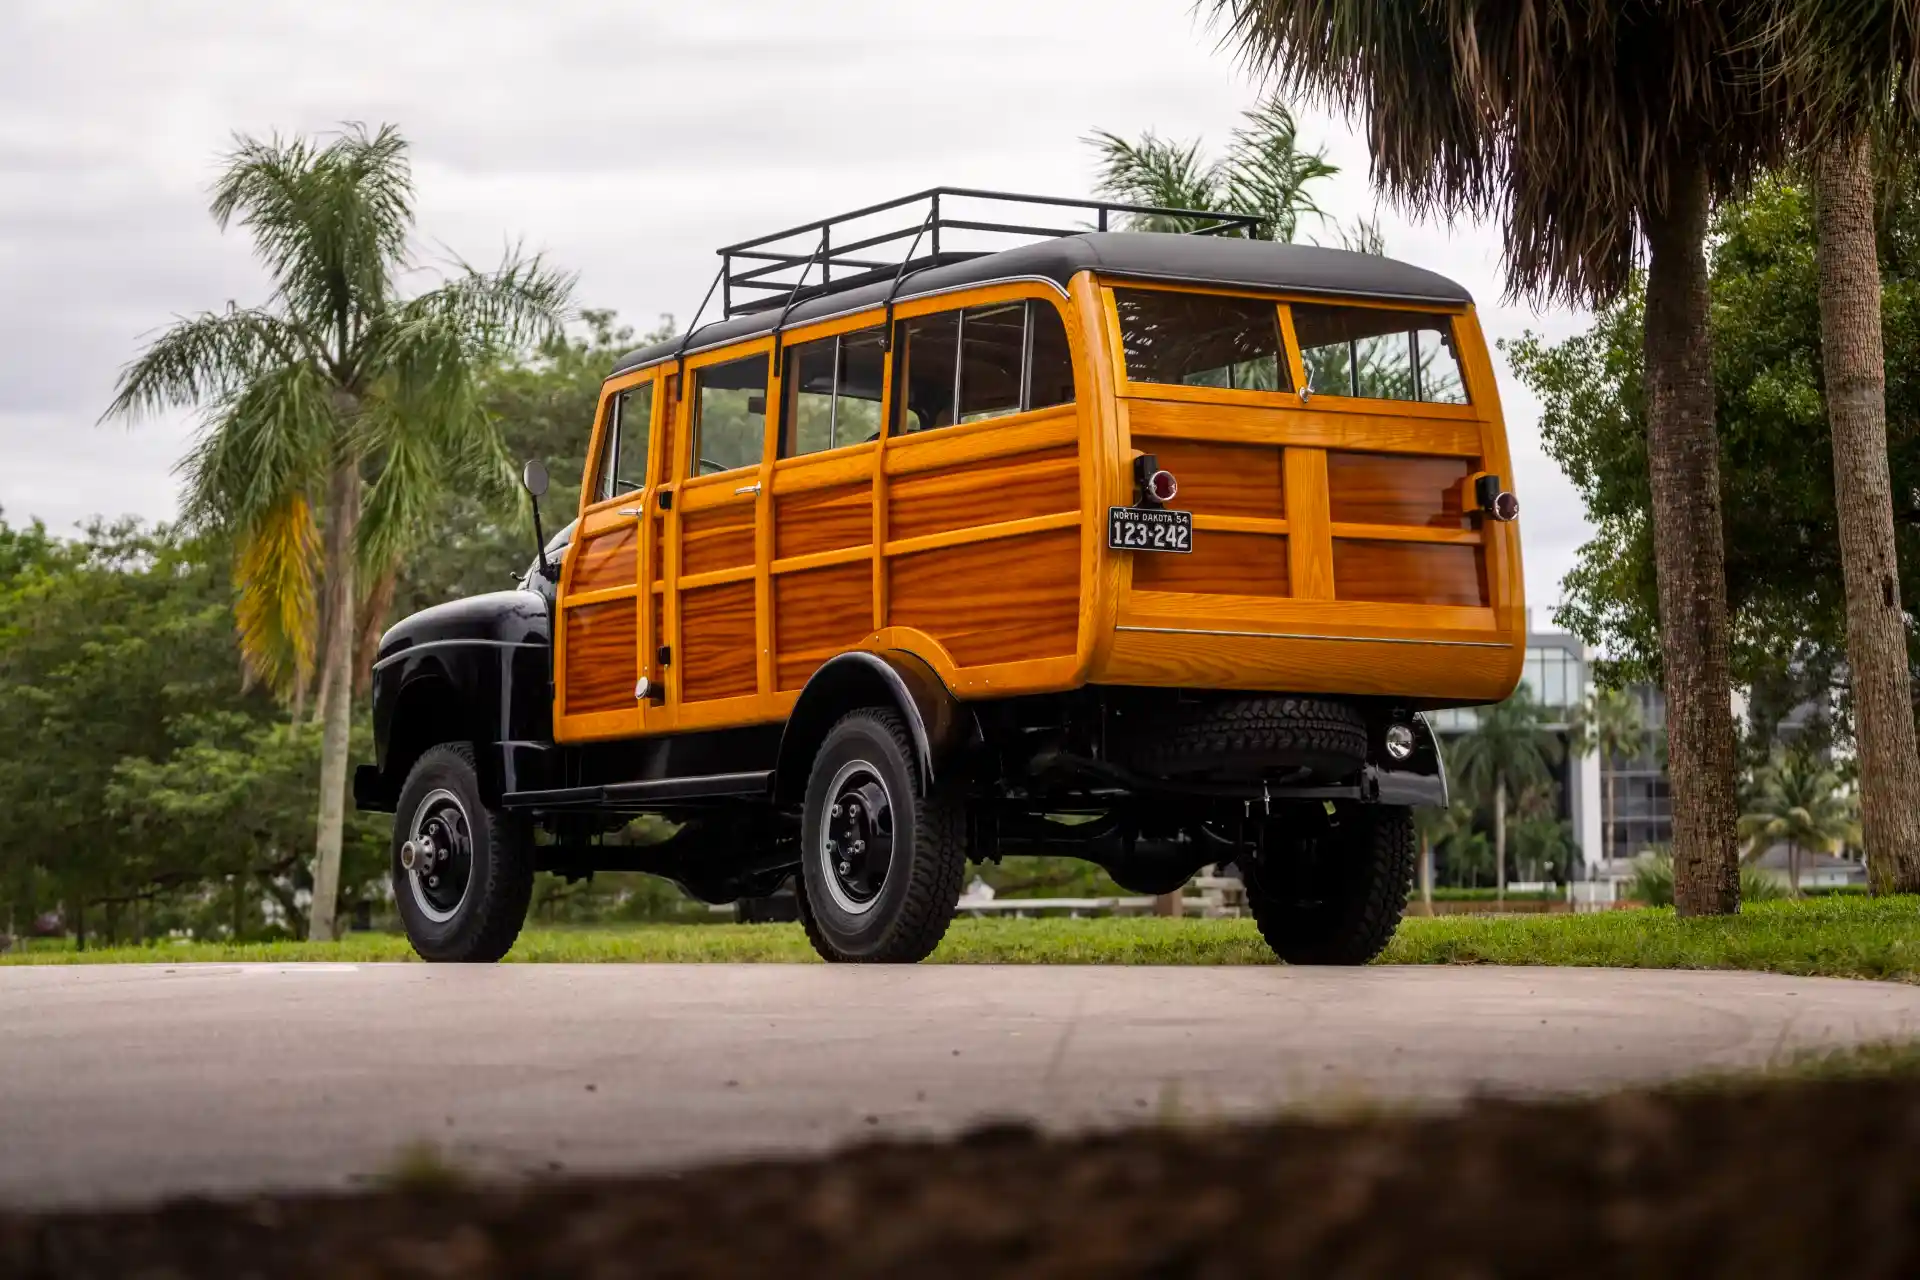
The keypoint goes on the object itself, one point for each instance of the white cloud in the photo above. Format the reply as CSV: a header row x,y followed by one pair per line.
x,y
626,141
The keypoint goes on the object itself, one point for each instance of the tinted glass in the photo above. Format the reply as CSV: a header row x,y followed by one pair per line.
x,y
1200,340
609,450
633,423
730,416
1378,354
833,390
991,343
809,387
863,371
929,350
1051,379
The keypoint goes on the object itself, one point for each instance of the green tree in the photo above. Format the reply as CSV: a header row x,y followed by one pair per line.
x,y
1798,801
337,415
1506,753
1609,722
113,647
1503,108
1265,171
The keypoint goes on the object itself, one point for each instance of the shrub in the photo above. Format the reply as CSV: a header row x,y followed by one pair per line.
x,y
1653,882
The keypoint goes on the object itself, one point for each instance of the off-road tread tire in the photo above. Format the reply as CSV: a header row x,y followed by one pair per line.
x,y
937,864
495,907
1363,903
1238,732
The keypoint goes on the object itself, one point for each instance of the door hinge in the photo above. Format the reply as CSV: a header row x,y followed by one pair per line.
x,y
666,655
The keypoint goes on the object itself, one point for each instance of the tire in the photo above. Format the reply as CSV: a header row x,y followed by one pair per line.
x,y
475,919
880,906
1334,894
1250,735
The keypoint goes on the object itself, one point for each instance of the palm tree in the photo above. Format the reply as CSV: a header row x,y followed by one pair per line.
x,y
1609,722
1588,131
1797,801
1264,172
1505,754
1855,65
335,415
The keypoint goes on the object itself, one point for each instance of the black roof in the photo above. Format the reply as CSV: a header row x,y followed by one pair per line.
x,y
1145,255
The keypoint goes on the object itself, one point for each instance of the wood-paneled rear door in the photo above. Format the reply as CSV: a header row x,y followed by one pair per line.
x,y
719,536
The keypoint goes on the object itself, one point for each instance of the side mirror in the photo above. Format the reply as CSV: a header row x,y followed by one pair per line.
x,y
534,478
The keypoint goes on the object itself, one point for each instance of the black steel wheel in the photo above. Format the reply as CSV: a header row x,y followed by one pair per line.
x,y
462,874
1331,888
881,863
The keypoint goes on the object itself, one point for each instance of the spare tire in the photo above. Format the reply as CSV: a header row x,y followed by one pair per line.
x,y
1252,736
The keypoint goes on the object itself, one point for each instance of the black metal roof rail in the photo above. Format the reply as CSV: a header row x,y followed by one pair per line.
x,y
762,267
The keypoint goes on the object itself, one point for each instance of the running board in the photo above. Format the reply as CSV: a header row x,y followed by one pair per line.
x,y
757,783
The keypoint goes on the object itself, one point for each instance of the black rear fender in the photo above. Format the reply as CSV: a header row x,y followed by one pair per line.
x,y
942,726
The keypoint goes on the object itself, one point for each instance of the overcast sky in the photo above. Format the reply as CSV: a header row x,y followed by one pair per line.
x,y
625,141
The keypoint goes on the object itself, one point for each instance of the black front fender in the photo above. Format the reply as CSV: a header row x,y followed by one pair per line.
x,y
941,725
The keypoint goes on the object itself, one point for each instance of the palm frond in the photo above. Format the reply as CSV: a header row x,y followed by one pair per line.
x,y
331,222
1158,172
278,554
1568,124
203,358
273,438
1267,173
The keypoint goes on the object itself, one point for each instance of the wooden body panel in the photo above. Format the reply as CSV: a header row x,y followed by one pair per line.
x,y
1332,552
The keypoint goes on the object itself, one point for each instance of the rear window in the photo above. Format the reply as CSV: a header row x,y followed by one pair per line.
x,y
1379,354
1201,340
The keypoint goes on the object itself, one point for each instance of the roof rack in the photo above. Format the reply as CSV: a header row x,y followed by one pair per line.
x,y
754,274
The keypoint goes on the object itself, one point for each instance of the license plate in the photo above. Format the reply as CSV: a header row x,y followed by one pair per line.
x,y
1149,529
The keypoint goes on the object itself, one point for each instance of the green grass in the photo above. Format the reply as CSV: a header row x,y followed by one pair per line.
x,y
1841,936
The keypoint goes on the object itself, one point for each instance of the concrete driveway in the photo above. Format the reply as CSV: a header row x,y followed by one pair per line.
x,y
127,1083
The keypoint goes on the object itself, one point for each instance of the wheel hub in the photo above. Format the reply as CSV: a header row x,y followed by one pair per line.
x,y
438,858
857,837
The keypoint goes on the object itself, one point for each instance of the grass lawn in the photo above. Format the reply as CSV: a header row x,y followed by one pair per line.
x,y
1849,937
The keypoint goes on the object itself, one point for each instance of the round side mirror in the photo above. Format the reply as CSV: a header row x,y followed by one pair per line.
x,y
534,477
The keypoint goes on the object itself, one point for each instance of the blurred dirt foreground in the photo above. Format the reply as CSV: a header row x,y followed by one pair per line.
x,y
1780,1179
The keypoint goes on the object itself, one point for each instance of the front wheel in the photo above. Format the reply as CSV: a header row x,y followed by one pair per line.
x,y
881,862
1332,889
462,874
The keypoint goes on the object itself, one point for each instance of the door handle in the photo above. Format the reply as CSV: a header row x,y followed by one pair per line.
x,y
633,511
747,488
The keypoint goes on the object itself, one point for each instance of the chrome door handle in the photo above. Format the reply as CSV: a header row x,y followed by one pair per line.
x,y
746,488
633,511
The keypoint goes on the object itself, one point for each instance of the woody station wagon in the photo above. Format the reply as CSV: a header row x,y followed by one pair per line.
x,y
1144,548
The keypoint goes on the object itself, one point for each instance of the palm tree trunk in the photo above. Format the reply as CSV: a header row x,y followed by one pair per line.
x,y
1793,868
1426,875
336,707
1500,837
1689,552
1854,364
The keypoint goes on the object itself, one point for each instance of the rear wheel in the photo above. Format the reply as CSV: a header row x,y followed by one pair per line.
x,y
1248,735
1333,892
881,863
462,874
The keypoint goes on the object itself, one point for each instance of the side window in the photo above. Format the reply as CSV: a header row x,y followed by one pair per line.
x,y
609,453
1201,340
1379,354
729,416
929,356
981,363
1050,360
833,393
633,422
992,342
